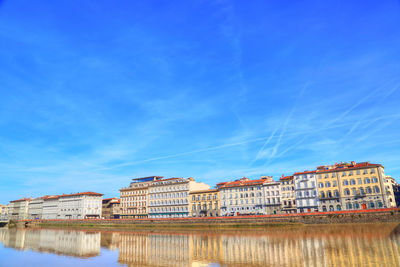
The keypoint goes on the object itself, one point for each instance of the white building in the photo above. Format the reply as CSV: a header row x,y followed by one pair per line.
x,y
19,209
35,209
4,212
169,198
272,202
243,196
84,205
50,207
306,191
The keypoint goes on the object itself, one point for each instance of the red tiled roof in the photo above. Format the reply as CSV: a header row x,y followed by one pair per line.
x,y
286,178
50,197
80,194
111,198
348,166
243,182
21,199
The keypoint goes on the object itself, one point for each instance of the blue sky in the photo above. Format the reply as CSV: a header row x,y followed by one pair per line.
x,y
94,93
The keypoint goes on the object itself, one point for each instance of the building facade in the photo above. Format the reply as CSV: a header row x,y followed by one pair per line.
x,y
169,198
352,186
204,203
50,207
35,209
288,194
86,205
111,208
272,197
19,209
241,197
305,184
4,212
135,198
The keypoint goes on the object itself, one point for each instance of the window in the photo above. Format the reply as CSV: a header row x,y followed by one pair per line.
x,y
359,181
376,189
354,191
327,184
319,176
326,175
336,192
352,182
350,173
372,171
345,182
367,180
320,185
347,192
374,180
329,194
369,190
362,192
333,175
343,173
334,183
358,173
322,194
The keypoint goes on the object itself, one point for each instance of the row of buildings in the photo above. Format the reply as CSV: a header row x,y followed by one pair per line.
x,y
341,186
83,205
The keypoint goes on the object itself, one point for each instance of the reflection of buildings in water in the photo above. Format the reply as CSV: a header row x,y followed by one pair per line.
x,y
273,248
64,242
110,240
145,249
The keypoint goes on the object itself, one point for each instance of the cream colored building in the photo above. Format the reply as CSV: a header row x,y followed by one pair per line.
x,y
272,197
134,199
288,194
169,198
111,208
204,203
19,209
86,205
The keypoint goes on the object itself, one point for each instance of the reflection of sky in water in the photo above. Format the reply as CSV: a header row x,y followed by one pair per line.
x,y
347,245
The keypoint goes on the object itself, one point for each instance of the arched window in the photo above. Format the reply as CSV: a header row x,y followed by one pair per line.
x,y
372,205
356,205
336,192
331,208
347,192
345,182
323,208
321,185
354,191
322,194
380,205
338,207
376,189
352,182
329,194
349,206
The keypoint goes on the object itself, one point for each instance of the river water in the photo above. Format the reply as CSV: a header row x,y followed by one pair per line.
x,y
322,245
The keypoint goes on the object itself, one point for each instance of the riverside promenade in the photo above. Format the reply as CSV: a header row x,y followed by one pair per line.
x,y
354,216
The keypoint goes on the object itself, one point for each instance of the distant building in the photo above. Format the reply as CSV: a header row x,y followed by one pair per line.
x,y
111,208
204,203
35,209
272,197
86,205
305,184
169,198
18,209
135,199
4,212
243,196
288,194
395,189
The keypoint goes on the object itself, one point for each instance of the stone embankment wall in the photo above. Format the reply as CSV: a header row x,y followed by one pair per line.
x,y
365,216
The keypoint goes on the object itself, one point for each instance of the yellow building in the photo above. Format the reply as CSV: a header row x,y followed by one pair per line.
x,y
205,203
352,186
